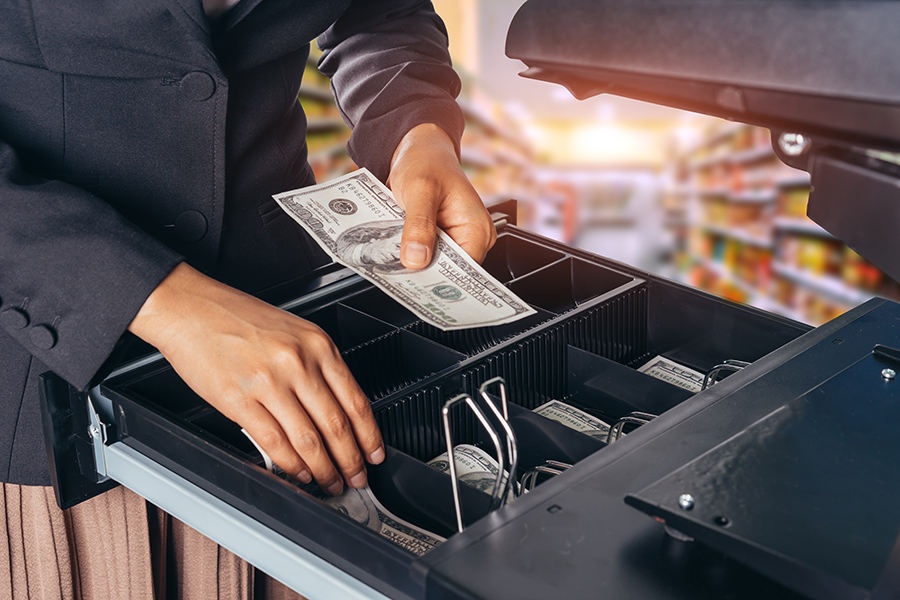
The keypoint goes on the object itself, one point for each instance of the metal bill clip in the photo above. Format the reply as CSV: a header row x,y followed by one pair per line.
x,y
502,489
550,467
635,418
511,448
728,365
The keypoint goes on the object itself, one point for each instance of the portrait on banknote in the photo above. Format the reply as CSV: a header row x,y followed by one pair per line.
x,y
374,246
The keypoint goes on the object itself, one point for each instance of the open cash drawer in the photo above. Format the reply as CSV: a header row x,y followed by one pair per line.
x,y
597,320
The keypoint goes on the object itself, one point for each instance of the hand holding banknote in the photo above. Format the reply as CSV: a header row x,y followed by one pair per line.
x,y
357,221
430,185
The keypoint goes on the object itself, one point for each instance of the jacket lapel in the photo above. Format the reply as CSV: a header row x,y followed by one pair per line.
x,y
190,15
236,14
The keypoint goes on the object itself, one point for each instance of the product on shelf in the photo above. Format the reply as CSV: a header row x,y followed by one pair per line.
x,y
792,202
750,239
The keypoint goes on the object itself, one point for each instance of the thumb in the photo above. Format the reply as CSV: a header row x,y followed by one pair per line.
x,y
419,233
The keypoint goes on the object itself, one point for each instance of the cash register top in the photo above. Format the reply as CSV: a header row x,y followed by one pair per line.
x,y
826,68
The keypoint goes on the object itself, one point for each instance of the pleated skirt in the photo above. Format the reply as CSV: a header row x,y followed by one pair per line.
x,y
115,546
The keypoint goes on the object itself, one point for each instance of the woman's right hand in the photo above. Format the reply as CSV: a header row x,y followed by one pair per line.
x,y
278,376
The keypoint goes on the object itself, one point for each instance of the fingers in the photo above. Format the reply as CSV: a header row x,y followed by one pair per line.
x,y
475,232
302,427
307,433
328,419
310,426
430,185
357,408
267,432
420,228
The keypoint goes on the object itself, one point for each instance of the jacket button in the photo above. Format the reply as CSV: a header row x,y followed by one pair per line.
x,y
190,226
43,337
198,86
14,318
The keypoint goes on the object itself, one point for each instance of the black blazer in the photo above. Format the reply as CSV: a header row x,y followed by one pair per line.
x,y
134,135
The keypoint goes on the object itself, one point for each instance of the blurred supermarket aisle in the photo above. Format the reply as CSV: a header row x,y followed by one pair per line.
x,y
689,197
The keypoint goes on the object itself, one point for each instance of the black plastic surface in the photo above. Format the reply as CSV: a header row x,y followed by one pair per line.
x,y
347,327
809,490
511,257
566,284
613,390
69,451
424,495
856,200
543,439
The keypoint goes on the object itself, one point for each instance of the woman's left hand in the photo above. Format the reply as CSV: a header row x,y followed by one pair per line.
x,y
429,183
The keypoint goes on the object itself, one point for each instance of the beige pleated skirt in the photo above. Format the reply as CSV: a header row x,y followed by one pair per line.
x,y
115,546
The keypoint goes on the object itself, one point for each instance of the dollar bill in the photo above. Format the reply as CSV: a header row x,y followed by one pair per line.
x,y
356,220
574,418
474,466
362,506
669,371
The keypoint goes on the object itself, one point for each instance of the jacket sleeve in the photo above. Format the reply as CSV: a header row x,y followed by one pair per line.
x,y
73,271
390,71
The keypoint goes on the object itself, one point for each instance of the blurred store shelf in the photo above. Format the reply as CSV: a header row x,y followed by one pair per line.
x,y
748,238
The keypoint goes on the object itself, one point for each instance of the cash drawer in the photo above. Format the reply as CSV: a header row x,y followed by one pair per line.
x,y
597,320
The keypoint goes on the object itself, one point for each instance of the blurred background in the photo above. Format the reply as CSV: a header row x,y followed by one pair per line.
x,y
690,197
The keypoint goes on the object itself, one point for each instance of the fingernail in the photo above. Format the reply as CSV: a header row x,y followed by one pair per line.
x,y
358,480
335,488
304,476
376,457
417,254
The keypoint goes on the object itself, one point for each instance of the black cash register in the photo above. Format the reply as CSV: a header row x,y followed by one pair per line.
x,y
777,481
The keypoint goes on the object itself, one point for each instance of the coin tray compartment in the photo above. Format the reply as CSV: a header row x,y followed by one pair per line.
x,y
348,327
700,331
394,361
564,285
540,439
379,305
512,257
610,390
423,495
165,389
172,397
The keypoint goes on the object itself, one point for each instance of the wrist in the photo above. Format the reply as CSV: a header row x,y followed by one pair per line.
x,y
427,137
162,309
